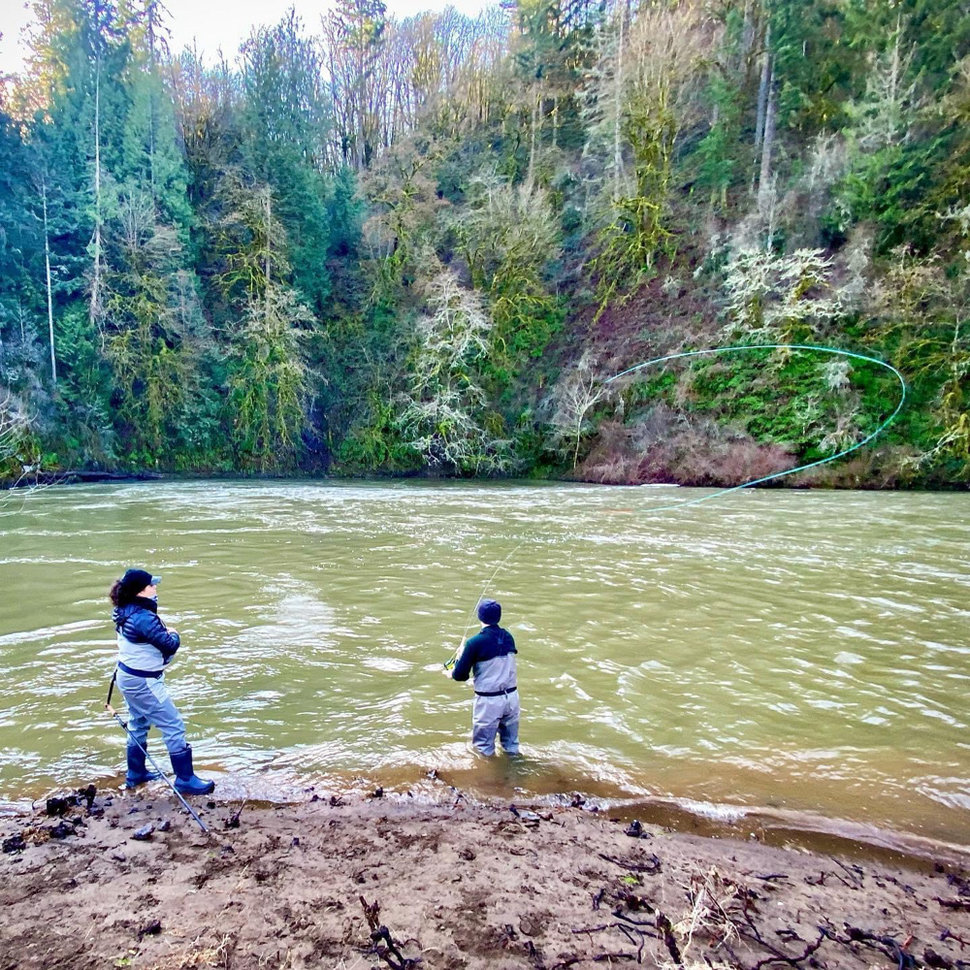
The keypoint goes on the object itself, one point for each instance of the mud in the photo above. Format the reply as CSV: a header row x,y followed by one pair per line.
x,y
131,881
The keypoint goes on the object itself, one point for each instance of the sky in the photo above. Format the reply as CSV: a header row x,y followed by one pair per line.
x,y
215,24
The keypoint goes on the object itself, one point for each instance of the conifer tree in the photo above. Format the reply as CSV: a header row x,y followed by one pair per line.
x,y
20,247
287,119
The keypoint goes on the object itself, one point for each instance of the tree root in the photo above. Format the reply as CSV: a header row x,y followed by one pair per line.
x,y
382,943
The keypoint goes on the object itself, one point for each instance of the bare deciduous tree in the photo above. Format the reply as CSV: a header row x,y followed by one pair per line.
x,y
354,35
641,99
573,398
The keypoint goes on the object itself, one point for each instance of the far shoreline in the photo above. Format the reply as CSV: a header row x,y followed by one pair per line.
x,y
81,476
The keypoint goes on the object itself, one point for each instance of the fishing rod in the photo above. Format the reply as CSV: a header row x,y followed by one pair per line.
x,y
711,351
154,763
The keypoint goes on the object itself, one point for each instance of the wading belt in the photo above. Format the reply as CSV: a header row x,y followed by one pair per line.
x,y
153,674
496,693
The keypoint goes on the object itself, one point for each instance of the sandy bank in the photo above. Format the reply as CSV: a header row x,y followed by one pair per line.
x,y
130,880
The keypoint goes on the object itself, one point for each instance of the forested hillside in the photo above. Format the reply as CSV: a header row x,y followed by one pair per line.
x,y
368,245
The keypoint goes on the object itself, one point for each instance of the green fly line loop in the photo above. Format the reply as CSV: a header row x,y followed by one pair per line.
x,y
740,348
789,471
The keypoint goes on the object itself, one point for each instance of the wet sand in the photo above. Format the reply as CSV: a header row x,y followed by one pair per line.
x,y
130,880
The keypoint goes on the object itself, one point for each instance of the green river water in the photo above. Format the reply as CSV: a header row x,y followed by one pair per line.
x,y
798,655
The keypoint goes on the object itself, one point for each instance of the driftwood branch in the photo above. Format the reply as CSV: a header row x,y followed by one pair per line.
x,y
383,944
887,945
959,904
653,868
667,934
854,873
792,961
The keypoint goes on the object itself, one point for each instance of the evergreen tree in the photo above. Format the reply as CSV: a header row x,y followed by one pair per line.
x,y
267,377
21,245
287,120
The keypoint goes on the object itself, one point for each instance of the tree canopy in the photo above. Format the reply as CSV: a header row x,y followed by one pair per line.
x,y
419,246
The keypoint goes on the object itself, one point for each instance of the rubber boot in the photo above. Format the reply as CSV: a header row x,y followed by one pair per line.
x,y
186,780
138,774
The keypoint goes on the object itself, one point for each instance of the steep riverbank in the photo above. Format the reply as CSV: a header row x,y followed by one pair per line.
x,y
130,880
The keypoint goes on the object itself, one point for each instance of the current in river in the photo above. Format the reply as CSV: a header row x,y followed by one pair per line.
x,y
800,651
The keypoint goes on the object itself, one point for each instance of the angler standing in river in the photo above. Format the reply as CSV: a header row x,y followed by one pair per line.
x,y
489,657
145,648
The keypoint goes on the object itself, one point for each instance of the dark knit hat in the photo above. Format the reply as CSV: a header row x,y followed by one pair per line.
x,y
133,582
489,612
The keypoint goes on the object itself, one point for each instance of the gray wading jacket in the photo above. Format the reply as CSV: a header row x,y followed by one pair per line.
x,y
490,657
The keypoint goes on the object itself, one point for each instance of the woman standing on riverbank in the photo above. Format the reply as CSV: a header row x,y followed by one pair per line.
x,y
145,648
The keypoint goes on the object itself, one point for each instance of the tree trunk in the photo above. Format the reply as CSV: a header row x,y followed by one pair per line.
x,y
269,243
152,68
96,280
747,40
764,177
534,133
763,85
50,300
617,109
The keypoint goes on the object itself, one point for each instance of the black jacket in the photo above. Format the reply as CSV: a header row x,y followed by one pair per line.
x,y
488,653
142,636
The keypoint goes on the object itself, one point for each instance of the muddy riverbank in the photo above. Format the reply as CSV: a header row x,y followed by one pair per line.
x,y
119,880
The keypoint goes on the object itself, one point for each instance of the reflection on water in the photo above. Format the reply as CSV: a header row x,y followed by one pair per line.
x,y
802,651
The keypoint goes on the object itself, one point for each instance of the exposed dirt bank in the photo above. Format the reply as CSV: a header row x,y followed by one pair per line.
x,y
131,880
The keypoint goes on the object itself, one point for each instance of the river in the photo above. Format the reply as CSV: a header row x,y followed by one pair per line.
x,y
804,653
